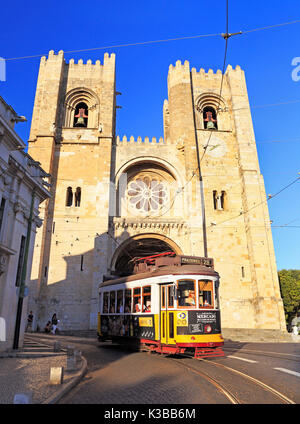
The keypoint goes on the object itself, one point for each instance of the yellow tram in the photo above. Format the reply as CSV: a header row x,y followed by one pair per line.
x,y
169,305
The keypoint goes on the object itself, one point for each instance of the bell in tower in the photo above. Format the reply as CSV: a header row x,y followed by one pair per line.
x,y
210,122
81,120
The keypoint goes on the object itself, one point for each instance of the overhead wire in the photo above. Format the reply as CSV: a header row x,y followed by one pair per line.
x,y
157,41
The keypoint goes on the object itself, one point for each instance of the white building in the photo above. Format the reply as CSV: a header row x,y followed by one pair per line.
x,y
22,189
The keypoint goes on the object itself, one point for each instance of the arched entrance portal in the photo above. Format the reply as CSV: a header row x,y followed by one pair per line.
x,y
140,246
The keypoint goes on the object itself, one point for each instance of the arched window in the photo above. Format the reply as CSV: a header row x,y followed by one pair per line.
x,y
81,115
211,112
82,109
220,200
77,196
215,198
210,118
223,200
69,198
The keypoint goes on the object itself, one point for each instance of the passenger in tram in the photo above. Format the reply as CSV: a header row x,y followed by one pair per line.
x,y
191,298
138,306
148,306
120,308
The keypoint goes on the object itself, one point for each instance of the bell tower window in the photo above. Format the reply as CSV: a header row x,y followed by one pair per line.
x,y
210,118
81,115
77,196
69,197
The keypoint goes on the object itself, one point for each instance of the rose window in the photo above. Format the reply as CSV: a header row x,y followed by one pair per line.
x,y
146,194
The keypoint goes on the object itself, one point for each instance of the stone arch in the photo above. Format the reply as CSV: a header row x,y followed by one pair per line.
x,y
210,101
140,245
82,95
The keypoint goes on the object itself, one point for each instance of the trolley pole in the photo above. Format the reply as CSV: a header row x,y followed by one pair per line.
x,y
23,276
200,180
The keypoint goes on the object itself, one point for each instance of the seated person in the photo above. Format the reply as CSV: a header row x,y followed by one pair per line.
x,y
48,327
138,306
120,308
148,306
191,299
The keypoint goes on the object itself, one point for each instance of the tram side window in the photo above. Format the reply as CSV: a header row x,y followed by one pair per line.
x,y
120,308
186,293
137,305
112,308
217,303
147,299
105,303
127,301
205,293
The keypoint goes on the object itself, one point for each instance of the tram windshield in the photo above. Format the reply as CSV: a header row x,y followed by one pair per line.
x,y
186,293
205,293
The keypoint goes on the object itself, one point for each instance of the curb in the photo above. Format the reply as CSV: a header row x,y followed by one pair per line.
x,y
68,386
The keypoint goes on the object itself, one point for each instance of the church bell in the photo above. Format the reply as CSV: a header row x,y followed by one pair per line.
x,y
210,125
80,121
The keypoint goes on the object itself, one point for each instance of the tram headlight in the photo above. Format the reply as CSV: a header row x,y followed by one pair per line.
x,y
208,329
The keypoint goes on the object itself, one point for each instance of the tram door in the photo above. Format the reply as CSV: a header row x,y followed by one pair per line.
x,y
167,327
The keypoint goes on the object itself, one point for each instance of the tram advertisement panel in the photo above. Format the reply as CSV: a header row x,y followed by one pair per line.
x,y
196,322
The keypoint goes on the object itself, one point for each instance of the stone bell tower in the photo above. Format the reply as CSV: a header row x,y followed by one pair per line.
x,y
233,198
72,133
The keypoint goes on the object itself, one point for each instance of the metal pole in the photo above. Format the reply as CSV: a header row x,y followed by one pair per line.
x,y
23,276
200,179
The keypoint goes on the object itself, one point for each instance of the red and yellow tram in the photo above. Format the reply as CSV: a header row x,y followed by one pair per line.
x,y
169,305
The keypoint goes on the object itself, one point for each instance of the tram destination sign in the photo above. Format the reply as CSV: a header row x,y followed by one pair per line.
x,y
197,260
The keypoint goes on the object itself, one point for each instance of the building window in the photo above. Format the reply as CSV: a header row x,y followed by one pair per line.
x,y
147,194
69,198
77,196
210,118
81,115
82,109
223,200
219,200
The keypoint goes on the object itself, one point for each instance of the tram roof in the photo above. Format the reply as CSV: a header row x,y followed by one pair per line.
x,y
167,270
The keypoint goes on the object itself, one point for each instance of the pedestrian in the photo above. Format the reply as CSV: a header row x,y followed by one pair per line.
x,y
54,322
295,330
29,322
48,327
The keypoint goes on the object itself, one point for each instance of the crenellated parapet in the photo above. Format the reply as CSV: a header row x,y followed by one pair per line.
x,y
211,74
80,66
180,73
124,141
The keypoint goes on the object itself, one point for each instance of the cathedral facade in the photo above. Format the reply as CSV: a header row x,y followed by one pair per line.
x,y
115,198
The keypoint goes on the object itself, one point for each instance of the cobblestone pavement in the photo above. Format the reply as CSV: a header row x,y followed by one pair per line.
x,y
27,371
136,377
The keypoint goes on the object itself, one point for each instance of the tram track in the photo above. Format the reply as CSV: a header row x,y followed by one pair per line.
x,y
230,396
225,391
276,355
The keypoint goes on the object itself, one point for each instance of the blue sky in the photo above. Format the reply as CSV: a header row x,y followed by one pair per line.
x,y
30,28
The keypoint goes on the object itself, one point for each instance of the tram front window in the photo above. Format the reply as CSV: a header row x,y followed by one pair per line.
x,y
186,293
205,294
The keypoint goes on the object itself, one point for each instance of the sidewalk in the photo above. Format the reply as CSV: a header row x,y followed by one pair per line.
x,y
27,371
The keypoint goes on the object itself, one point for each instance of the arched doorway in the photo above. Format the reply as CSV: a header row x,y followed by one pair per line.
x,y
140,246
